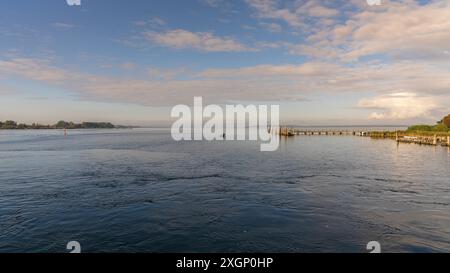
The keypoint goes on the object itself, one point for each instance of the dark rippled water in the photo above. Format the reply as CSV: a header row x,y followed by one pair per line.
x,y
138,191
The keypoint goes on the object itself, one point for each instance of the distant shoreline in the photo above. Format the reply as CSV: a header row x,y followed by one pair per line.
x,y
48,129
61,125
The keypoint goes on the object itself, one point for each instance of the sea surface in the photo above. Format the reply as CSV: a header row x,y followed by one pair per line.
x,y
140,191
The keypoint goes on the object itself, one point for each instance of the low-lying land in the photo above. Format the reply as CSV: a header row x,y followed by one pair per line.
x,y
420,134
12,125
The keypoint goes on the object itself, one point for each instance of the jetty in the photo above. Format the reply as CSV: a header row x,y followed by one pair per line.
x,y
425,138
289,131
429,138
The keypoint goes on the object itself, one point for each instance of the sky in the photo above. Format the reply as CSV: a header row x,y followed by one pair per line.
x,y
129,62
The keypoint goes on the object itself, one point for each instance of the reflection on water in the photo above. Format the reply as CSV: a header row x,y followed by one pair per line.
x,y
137,190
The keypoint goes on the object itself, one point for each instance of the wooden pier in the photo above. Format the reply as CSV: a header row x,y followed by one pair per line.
x,y
328,133
438,139
287,131
434,139
426,140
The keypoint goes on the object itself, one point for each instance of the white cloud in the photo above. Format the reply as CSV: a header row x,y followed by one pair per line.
x,y
272,27
34,69
295,15
268,9
63,25
402,29
286,82
315,9
152,22
307,69
402,105
212,3
203,41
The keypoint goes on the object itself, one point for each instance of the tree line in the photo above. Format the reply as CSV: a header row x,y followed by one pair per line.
x,y
441,126
10,124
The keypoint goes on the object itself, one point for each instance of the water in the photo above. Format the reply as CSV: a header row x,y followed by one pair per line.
x,y
138,191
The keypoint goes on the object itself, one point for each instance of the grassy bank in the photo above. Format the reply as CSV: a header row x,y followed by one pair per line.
x,y
438,130
382,134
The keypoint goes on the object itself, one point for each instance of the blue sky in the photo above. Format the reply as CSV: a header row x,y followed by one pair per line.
x,y
324,62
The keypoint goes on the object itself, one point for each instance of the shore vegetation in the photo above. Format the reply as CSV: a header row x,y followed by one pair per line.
x,y
12,125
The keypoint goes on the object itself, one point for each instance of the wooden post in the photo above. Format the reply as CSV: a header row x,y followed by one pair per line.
x,y
448,141
396,136
435,140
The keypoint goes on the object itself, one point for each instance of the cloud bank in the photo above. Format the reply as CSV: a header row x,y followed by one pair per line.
x,y
202,41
